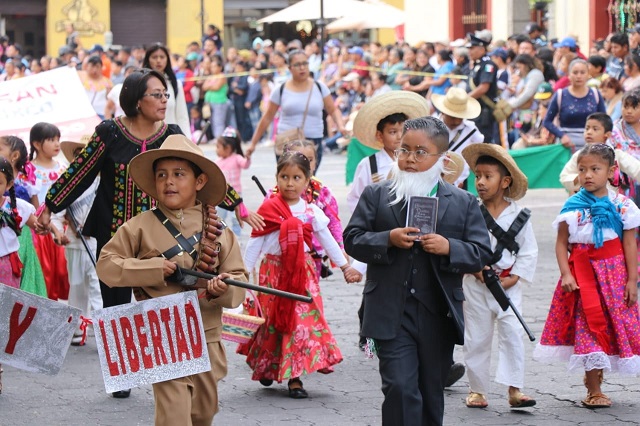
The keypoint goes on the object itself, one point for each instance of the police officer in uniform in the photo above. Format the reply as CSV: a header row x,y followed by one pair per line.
x,y
483,81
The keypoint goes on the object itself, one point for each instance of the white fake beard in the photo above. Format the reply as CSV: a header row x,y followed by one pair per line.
x,y
410,184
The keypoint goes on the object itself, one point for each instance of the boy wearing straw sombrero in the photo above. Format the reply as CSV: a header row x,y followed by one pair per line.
x,y
144,254
84,287
457,109
378,125
499,183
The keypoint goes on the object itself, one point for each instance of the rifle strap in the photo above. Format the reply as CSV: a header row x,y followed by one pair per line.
x,y
506,239
455,148
373,163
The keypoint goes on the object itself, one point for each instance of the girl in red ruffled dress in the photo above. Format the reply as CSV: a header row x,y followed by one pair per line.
x,y
295,338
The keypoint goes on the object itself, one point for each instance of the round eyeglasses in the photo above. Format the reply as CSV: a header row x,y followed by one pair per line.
x,y
420,154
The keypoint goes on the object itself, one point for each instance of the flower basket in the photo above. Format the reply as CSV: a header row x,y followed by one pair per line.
x,y
240,328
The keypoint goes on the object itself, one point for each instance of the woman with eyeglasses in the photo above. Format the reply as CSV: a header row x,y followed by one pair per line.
x,y
157,58
144,99
301,93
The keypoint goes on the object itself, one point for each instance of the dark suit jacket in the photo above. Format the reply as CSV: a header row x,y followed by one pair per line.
x,y
392,271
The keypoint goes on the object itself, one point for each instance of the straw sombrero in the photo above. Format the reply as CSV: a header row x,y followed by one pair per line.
x,y
379,107
67,147
519,183
457,103
179,146
454,167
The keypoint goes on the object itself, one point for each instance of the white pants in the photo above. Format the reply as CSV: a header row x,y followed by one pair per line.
x,y
84,287
481,314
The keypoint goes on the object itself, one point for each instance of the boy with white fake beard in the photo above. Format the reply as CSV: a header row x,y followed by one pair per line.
x,y
412,299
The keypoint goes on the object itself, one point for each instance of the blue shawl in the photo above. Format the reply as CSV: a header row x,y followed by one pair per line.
x,y
603,213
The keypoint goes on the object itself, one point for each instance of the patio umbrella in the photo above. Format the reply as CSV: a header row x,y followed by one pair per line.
x,y
310,10
375,14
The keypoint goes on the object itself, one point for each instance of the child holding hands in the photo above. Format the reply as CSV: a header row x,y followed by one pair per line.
x,y
295,339
144,253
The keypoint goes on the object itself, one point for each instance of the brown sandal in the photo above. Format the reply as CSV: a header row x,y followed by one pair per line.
x,y
596,400
476,400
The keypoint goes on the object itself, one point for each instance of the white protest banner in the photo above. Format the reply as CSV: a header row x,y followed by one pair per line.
x,y
35,333
55,96
151,341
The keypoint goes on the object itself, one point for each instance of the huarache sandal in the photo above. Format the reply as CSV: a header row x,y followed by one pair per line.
x,y
596,400
296,391
476,400
520,400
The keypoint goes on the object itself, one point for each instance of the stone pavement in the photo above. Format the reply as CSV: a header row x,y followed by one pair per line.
x,y
349,396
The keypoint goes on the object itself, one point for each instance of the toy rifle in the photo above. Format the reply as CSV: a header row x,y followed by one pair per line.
x,y
260,187
190,280
506,240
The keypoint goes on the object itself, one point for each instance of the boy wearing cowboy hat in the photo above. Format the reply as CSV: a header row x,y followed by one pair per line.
x,y
378,125
84,287
457,109
499,183
144,254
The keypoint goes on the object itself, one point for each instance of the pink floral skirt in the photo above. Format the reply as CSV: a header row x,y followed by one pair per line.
x,y
310,347
567,336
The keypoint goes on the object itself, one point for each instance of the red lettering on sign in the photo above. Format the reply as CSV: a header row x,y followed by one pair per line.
x,y
165,316
23,95
181,339
194,330
51,90
113,366
17,328
118,347
147,362
130,345
156,338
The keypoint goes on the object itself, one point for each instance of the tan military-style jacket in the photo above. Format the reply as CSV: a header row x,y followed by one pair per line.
x,y
132,258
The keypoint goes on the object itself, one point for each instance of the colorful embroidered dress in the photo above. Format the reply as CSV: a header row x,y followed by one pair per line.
x,y
310,346
51,255
593,328
10,265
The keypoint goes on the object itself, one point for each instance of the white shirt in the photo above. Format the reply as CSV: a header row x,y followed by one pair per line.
x,y
80,209
114,96
177,109
9,242
464,129
362,176
270,244
524,263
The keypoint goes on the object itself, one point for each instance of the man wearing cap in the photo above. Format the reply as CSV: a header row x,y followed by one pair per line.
x,y
568,44
483,82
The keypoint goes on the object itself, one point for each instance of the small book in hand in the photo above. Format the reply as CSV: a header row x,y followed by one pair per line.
x,y
422,213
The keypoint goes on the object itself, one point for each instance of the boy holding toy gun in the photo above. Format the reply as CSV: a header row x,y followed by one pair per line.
x,y
499,182
149,251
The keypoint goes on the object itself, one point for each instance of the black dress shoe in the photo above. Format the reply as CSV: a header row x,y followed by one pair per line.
x,y
122,394
266,382
455,373
297,393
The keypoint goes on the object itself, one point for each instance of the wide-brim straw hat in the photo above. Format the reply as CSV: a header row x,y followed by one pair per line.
x,y
408,103
179,146
454,167
68,147
519,182
457,103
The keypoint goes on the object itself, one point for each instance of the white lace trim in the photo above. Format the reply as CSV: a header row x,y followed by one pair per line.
x,y
593,361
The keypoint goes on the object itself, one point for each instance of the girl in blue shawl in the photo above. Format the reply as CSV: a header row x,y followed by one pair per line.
x,y
593,319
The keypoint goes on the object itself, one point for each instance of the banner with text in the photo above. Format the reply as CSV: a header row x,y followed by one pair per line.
x,y
55,96
35,333
151,341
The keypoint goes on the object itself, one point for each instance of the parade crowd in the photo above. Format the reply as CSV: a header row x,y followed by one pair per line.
x,y
137,203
